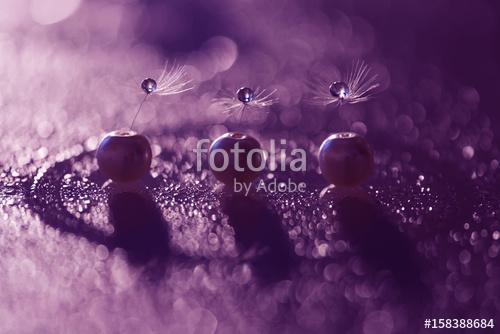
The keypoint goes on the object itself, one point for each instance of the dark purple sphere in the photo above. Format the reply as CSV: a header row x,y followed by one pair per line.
x,y
124,156
245,94
345,159
220,150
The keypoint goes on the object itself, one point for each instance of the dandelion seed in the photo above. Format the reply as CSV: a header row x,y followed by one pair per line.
x,y
172,80
358,85
245,98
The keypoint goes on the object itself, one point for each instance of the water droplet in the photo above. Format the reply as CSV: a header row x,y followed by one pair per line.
x,y
339,90
245,94
148,85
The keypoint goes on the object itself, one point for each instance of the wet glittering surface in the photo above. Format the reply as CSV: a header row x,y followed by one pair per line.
x,y
176,253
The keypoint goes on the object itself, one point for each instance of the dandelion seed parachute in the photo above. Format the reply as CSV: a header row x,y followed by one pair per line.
x,y
245,98
172,80
358,85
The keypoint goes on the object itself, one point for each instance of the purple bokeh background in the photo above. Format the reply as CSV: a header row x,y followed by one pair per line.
x,y
70,71
457,37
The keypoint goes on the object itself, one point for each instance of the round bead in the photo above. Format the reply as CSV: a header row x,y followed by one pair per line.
x,y
339,90
124,156
228,166
245,94
345,159
148,85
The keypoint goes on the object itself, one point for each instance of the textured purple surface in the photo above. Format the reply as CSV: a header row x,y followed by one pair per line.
x,y
175,255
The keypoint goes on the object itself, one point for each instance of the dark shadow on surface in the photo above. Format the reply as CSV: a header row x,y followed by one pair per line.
x,y
260,237
44,199
139,227
383,247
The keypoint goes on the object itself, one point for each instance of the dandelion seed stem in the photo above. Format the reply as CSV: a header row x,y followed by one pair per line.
x,y
340,104
138,110
241,113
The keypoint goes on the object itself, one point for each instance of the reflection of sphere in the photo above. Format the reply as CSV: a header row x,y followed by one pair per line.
x,y
345,159
124,156
245,94
339,90
148,85
228,166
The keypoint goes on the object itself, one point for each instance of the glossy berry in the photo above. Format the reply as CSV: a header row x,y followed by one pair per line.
x,y
148,85
124,156
345,159
245,94
339,89
237,167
